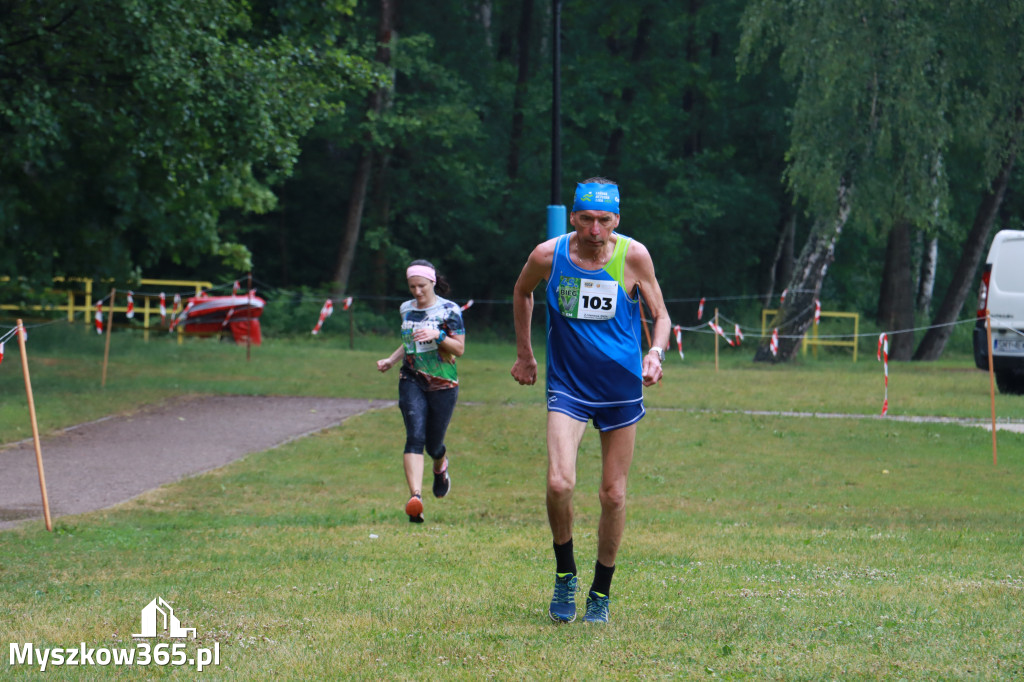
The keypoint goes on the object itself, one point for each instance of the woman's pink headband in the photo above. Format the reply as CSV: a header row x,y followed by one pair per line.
x,y
421,271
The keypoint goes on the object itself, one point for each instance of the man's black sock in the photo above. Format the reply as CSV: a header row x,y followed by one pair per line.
x,y
602,578
565,562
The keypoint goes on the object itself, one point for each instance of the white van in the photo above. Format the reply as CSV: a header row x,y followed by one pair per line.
x,y
1002,294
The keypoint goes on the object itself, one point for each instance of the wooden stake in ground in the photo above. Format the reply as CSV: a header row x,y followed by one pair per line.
x,y
351,327
110,326
716,339
35,425
991,384
643,317
248,323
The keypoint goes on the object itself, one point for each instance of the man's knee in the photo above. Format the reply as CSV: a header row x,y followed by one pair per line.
x,y
560,484
612,497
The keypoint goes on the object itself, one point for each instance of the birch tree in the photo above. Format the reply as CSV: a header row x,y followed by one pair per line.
x,y
868,120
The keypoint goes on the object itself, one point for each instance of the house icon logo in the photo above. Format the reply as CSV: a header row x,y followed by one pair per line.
x,y
158,610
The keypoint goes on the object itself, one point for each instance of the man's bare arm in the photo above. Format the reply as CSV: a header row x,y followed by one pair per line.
x,y
641,268
536,270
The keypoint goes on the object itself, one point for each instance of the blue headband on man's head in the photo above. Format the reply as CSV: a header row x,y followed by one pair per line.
x,y
595,196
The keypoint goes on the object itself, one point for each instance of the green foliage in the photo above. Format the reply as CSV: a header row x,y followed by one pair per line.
x,y
699,163
871,110
884,92
127,128
194,137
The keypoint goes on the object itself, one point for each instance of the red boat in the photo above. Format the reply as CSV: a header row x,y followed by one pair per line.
x,y
238,314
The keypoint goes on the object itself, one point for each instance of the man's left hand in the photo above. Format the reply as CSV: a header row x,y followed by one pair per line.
x,y
651,369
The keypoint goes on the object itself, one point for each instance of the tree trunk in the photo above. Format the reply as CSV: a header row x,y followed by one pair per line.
x,y
524,37
381,218
926,276
357,193
692,142
781,267
796,313
613,153
934,341
484,13
519,99
896,295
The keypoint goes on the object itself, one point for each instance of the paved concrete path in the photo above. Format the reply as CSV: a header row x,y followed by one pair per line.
x,y
102,463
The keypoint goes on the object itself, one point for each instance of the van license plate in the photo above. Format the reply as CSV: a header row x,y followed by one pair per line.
x,y
1008,345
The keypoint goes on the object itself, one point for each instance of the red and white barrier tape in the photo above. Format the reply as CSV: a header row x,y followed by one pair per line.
x,y
163,308
325,311
718,330
883,356
98,317
782,297
130,312
468,304
700,309
739,335
184,313
347,303
817,311
679,340
773,345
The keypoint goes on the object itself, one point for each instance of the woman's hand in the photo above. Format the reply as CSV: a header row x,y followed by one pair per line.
x,y
385,364
427,334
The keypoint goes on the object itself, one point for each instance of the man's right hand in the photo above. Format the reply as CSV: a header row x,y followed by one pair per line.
x,y
525,371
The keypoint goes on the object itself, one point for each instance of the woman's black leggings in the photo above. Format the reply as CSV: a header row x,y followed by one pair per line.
x,y
426,415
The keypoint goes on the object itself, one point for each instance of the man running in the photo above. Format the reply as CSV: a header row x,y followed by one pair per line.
x,y
595,371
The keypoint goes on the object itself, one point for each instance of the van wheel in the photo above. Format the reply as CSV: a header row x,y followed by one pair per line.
x,y
1010,381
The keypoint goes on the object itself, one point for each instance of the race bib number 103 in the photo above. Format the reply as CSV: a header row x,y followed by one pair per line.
x,y
587,299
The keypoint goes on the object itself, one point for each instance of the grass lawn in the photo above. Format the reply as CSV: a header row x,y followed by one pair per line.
x,y
756,547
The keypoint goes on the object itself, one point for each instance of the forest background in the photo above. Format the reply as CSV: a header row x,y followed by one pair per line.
x,y
859,153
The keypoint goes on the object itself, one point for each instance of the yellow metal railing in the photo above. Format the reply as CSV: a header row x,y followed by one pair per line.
x,y
813,339
81,288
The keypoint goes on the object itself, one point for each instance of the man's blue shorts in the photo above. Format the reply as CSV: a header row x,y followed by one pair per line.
x,y
605,417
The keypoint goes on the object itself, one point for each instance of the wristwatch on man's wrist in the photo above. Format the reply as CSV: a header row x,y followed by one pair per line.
x,y
659,351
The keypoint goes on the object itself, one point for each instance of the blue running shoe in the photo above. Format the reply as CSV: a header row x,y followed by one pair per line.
x,y
563,603
597,608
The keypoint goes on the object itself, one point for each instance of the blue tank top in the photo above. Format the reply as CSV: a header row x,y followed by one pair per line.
x,y
593,341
